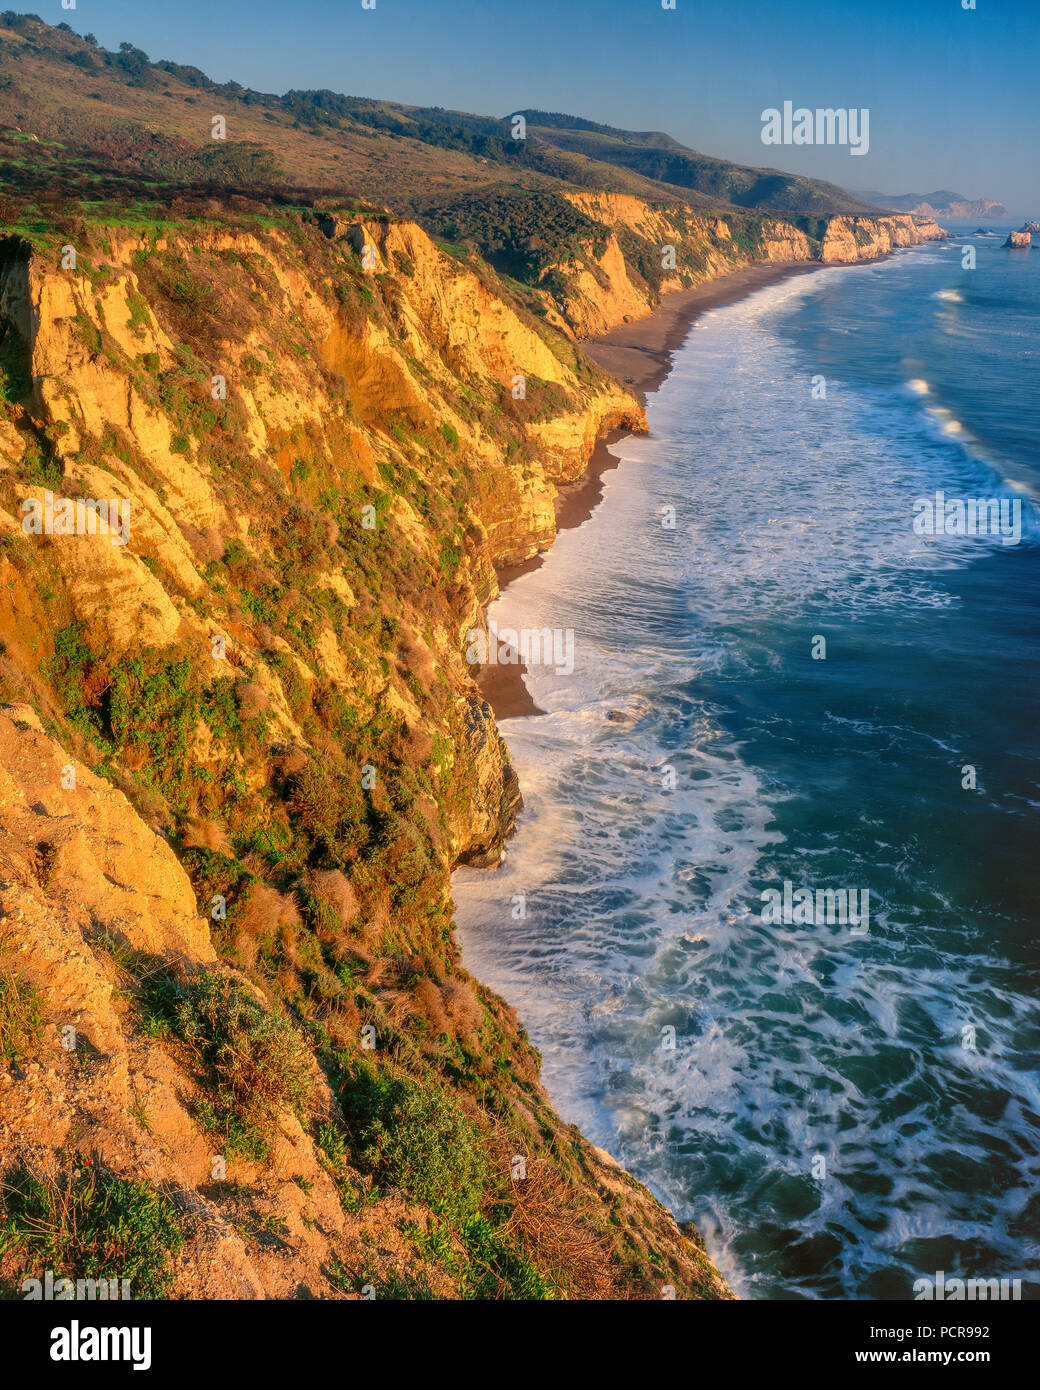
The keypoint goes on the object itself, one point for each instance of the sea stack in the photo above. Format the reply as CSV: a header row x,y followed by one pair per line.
x,y
1022,239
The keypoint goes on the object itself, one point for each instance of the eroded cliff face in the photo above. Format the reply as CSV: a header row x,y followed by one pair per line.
x,y
242,747
652,250
242,750
415,375
611,288
848,239
95,908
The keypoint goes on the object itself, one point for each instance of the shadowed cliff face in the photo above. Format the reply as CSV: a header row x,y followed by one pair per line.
x,y
242,750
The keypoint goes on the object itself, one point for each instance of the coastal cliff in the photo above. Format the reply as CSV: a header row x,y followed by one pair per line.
x,y
849,239
263,447
242,751
620,276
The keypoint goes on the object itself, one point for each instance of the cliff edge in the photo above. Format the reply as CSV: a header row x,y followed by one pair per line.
x,y
241,751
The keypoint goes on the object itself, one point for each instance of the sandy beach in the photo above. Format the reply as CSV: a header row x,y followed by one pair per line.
x,y
640,355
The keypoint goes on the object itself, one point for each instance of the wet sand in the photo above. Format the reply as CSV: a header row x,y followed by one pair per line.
x,y
640,355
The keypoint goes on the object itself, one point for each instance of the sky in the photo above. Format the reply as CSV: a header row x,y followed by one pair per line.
x,y
951,91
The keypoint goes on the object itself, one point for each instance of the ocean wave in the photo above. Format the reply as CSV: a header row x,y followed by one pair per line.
x,y
648,839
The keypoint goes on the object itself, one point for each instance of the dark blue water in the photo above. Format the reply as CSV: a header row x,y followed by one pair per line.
x,y
842,1113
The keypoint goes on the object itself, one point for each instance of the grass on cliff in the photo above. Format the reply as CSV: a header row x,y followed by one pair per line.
x,y
21,1015
87,1224
417,1137
253,1064
497,1236
21,1007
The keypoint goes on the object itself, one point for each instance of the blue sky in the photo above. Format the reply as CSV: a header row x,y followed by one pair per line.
x,y
951,93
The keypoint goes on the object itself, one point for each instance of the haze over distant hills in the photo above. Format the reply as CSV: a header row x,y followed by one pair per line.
x,y
571,208
941,203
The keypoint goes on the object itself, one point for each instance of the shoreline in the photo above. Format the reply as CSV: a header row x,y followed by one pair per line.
x,y
640,355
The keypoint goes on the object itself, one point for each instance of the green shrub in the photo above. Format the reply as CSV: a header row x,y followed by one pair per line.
x,y
214,874
492,1266
154,708
39,465
332,1144
255,1061
416,1137
219,708
15,366
67,669
330,809
90,1225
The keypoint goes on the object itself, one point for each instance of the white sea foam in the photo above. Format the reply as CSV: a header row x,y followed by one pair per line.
x,y
638,898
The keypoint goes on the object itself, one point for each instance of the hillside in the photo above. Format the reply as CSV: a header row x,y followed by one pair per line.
x,y
241,749
941,203
579,214
658,157
272,671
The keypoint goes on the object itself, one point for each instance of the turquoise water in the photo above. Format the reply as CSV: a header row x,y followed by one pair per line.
x,y
823,1116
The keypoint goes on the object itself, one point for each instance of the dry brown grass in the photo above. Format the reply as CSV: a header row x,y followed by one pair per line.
x,y
461,1007
449,1007
267,915
203,832
412,745
415,656
208,545
430,1004
251,698
550,1222
334,890
343,1023
135,757
289,761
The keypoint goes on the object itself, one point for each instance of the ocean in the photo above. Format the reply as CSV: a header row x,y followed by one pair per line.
x,y
840,1111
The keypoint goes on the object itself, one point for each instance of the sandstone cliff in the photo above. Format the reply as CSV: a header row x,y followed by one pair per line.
x,y
94,906
625,280
242,750
848,239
